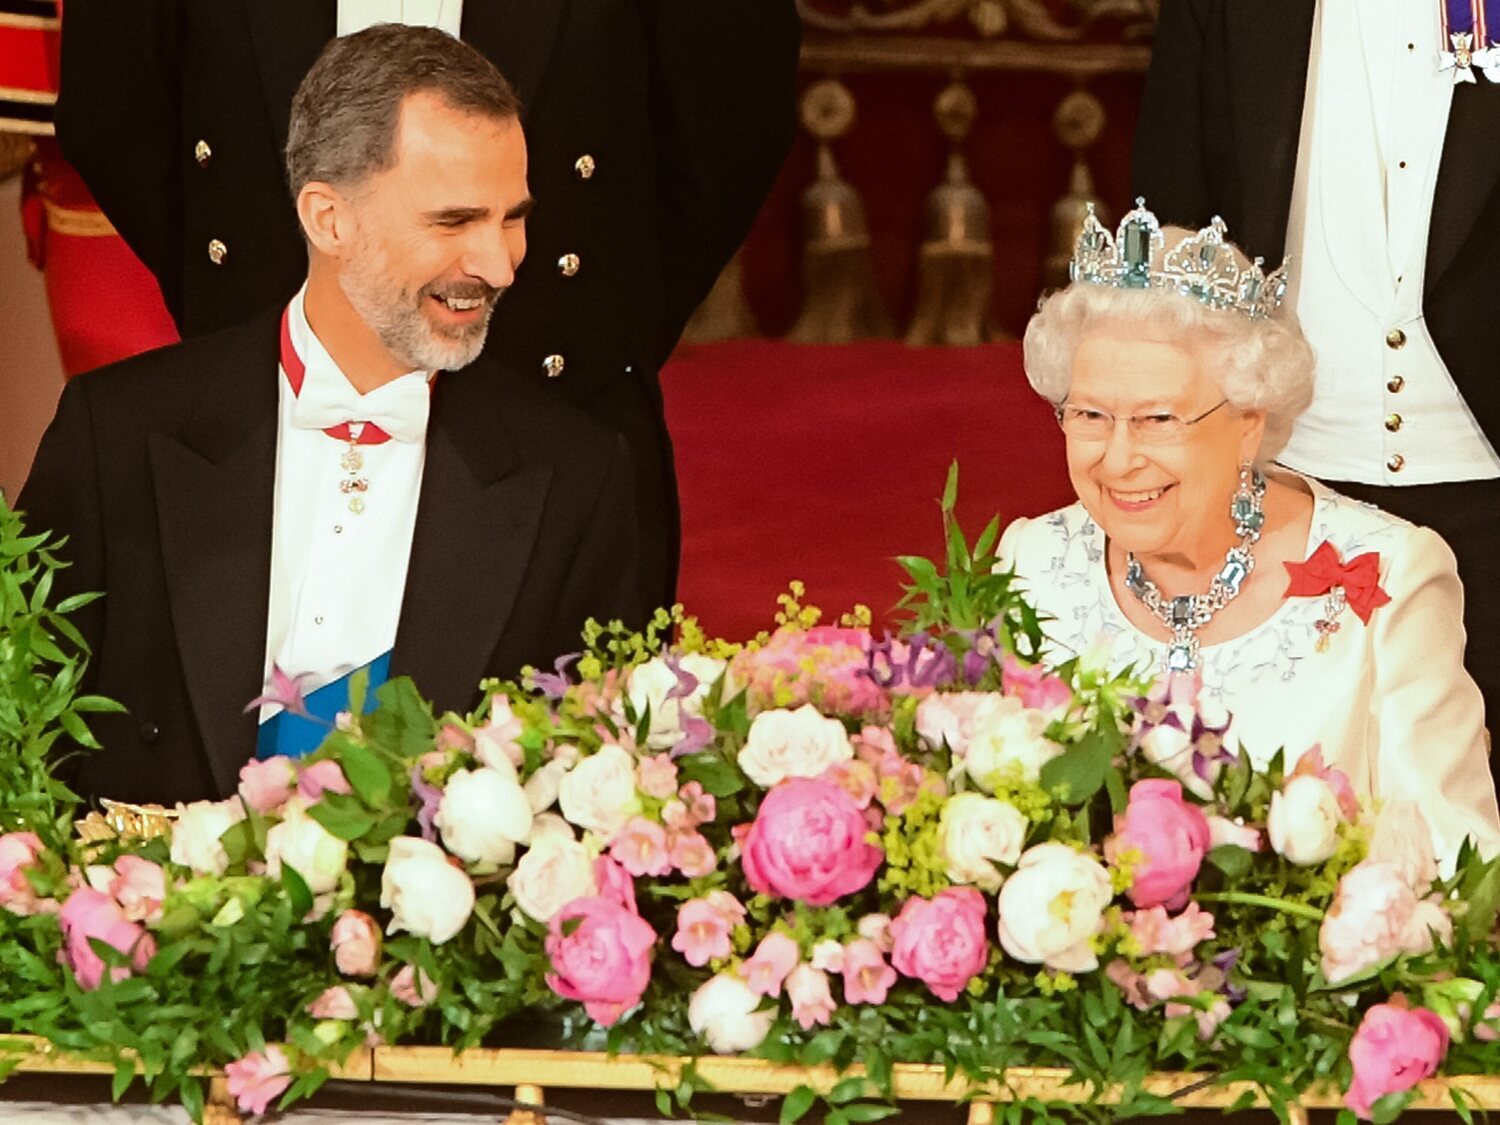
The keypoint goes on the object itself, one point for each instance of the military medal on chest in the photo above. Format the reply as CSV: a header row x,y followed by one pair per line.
x,y
352,461
1466,45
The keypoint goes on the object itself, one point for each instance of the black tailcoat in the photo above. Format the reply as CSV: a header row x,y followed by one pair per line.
x,y
684,107
1218,134
161,473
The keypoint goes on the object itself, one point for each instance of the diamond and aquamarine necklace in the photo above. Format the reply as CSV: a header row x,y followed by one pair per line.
x,y
1188,613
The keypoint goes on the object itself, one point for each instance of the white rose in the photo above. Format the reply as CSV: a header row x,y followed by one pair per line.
x,y
309,849
543,786
707,671
1007,735
1171,747
1052,906
654,686
196,832
483,815
548,824
426,895
1303,823
1402,838
599,794
554,871
975,832
800,743
723,1011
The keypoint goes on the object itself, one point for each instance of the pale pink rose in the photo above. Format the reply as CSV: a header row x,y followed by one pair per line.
x,y
876,928
426,892
18,854
1369,921
703,930
1394,1049
766,968
856,778
1401,837
941,941
322,777
828,955
602,959
808,842
1156,932
874,743
555,870
692,854
867,977
949,719
1171,837
657,776
614,882
812,999
356,944
266,785
902,781
140,887
413,987
1429,924
500,736
1033,685
89,914
728,1016
1222,831
334,1003
1311,765
256,1079
641,847
196,834
784,744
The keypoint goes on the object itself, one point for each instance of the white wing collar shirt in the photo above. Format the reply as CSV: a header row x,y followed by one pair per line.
x,y
344,513
356,15
1385,409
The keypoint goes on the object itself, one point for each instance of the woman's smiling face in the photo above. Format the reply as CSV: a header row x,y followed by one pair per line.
x,y
1156,498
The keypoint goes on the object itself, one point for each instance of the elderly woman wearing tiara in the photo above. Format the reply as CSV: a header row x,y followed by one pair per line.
x,y
1311,618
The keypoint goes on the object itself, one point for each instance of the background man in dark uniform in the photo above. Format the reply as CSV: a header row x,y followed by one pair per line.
x,y
655,127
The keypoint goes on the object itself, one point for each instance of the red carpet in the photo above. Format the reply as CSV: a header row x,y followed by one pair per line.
x,y
822,463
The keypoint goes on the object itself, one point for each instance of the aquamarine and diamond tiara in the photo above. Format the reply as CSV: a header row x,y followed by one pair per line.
x,y
1201,266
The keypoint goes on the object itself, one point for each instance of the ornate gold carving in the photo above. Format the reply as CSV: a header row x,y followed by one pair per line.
x,y
1033,19
1078,121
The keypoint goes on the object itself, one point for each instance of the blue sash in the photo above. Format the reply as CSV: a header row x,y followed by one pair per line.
x,y
296,736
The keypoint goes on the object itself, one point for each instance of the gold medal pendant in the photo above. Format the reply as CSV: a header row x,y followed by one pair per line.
x,y
353,486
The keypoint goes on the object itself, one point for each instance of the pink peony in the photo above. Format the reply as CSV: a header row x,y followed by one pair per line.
x,y
1171,837
356,944
413,987
258,1077
827,666
266,785
18,854
812,999
1156,932
1375,915
322,777
949,719
641,847
856,778
1394,1049
90,914
1033,686
657,776
602,959
692,854
614,883
334,1004
766,969
867,978
140,887
941,941
808,843
704,926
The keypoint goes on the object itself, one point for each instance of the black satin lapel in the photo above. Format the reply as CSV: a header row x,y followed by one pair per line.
x,y
1266,46
476,526
288,36
215,525
517,36
1467,176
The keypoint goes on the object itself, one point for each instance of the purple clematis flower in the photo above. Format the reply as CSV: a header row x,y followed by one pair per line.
x,y
554,684
286,692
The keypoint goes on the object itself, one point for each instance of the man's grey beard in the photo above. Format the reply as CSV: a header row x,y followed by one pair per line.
x,y
395,315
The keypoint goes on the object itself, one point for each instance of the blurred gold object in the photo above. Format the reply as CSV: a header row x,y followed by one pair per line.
x,y
15,151
840,302
724,313
125,822
956,272
1077,122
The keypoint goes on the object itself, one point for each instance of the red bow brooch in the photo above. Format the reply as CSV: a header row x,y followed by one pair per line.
x,y
1324,572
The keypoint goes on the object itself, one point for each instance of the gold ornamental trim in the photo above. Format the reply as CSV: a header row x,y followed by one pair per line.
x,y
79,222
27,97
30,23
27,128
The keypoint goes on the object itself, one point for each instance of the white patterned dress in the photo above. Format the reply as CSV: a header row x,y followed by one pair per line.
x,y
1389,702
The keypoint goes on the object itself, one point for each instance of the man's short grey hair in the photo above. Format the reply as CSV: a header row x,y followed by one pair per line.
x,y
346,111
1263,364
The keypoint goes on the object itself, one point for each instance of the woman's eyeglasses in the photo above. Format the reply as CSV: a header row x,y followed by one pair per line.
x,y
1087,423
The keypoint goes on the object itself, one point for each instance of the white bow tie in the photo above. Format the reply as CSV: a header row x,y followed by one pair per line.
x,y
400,407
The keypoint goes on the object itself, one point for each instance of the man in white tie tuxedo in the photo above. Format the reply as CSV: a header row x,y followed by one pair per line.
x,y
336,486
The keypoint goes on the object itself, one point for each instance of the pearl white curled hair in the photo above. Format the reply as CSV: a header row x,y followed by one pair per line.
x,y
1263,364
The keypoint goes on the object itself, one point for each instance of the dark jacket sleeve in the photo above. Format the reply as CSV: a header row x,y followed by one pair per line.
x,y
724,90
117,122
1167,161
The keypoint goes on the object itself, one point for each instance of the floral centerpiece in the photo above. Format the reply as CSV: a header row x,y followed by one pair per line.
x,y
821,846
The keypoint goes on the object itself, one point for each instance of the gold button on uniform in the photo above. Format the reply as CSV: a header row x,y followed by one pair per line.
x,y
584,166
1393,422
217,252
568,264
1395,384
1395,338
553,365
202,154
1395,462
